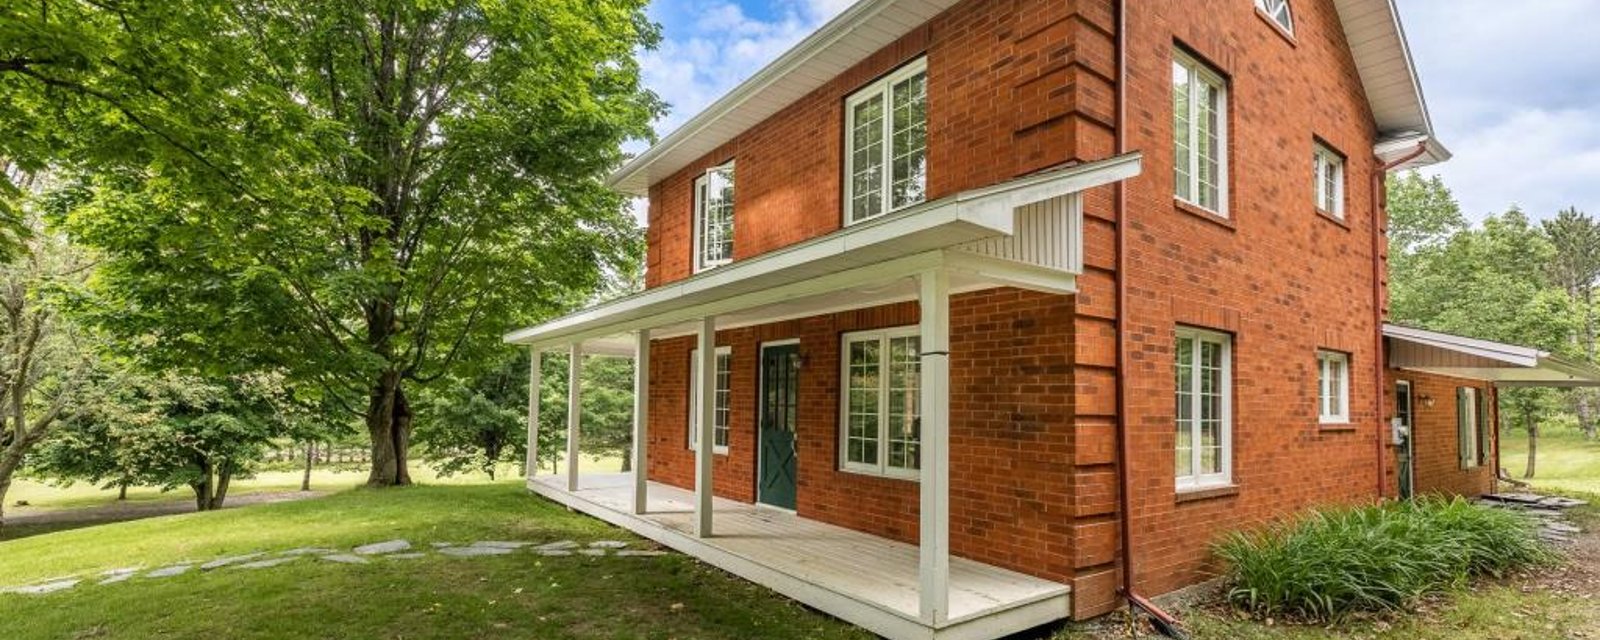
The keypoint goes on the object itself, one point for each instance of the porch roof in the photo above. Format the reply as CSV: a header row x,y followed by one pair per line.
x,y
860,265
1503,364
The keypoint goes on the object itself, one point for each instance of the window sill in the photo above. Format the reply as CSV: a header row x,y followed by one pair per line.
x,y
1206,493
1277,28
1203,213
912,477
716,451
1336,426
1321,213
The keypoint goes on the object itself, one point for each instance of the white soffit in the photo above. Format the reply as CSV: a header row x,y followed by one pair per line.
x,y
1389,77
861,30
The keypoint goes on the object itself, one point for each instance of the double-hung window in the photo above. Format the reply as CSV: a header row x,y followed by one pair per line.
x,y
713,218
1328,169
881,430
719,428
886,144
1200,134
1202,371
1333,387
1278,11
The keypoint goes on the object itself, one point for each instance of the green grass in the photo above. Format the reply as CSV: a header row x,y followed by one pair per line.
x,y
515,596
1566,462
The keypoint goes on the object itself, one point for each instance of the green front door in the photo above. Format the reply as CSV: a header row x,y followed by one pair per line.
x,y
780,405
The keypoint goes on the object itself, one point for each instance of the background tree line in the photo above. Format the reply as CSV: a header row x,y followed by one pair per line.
x,y
1508,279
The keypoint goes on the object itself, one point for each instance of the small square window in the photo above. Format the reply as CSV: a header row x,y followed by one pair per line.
x,y
1328,171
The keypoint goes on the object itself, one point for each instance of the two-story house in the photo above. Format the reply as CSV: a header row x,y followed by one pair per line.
x,y
965,316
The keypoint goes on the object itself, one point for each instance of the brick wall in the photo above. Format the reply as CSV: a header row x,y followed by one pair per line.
x,y
1435,449
1009,427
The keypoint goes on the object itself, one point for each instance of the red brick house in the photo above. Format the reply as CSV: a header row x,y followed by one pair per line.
x,y
966,316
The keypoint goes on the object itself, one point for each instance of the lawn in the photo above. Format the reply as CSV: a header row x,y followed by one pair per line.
x,y
515,596
1566,462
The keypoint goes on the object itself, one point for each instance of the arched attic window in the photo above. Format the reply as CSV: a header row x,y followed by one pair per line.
x,y
1278,11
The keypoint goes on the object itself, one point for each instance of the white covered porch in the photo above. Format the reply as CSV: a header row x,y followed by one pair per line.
x,y
1027,233
868,581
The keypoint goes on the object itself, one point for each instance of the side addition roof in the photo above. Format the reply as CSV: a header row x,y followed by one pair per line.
x,y
1503,364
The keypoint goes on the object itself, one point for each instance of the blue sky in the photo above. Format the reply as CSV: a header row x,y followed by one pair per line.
x,y
1513,87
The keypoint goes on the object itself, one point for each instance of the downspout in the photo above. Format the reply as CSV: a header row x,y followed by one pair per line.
x,y
1163,621
1379,222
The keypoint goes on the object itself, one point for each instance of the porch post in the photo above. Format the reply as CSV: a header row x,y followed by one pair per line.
x,y
574,411
641,422
704,424
934,409
537,357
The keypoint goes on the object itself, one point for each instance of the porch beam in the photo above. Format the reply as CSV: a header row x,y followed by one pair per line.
x,y
933,572
536,357
641,422
574,411
705,427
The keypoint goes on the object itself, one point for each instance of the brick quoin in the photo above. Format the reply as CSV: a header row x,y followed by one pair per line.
x,y
1018,86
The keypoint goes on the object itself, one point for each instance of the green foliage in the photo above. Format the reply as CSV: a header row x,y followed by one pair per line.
x,y
478,423
1337,561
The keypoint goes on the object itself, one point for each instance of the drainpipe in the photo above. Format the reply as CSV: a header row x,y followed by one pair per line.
x,y
1163,621
1379,222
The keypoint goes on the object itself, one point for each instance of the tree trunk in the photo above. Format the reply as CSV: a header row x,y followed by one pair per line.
x,y
311,455
627,460
1533,446
224,475
122,491
389,424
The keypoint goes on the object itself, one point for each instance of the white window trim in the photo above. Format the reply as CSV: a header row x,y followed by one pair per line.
x,y
700,263
1224,477
882,468
1325,361
1203,71
694,400
1325,160
1266,7
877,88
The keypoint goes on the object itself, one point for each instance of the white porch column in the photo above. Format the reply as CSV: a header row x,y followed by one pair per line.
x,y
641,422
534,382
705,423
934,409
574,411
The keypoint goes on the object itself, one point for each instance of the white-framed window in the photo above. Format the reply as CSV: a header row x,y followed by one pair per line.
x,y
719,428
1200,134
1467,428
1203,376
886,144
1333,387
1328,171
1278,10
880,430
713,218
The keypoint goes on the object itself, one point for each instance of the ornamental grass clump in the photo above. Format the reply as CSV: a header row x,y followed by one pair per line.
x,y
1337,561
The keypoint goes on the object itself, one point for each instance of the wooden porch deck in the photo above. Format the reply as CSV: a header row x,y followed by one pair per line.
x,y
863,579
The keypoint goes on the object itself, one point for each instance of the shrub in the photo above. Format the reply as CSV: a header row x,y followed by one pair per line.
x,y
1336,561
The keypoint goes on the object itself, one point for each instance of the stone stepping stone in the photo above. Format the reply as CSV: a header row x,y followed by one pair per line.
x,y
467,552
592,552
637,553
46,587
223,562
557,546
554,553
262,564
501,544
118,575
379,548
167,572
345,558
441,545
407,556
308,551
608,544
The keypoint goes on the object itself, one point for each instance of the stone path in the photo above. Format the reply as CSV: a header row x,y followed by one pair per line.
x,y
1548,511
362,554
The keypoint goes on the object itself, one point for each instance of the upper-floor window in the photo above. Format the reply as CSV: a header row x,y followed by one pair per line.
x,y
1333,387
1328,169
1200,133
886,144
1278,10
713,218
1202,375
881,431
